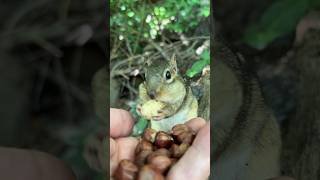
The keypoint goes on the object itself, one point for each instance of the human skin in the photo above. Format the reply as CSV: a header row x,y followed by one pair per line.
x,y
197,156
17,164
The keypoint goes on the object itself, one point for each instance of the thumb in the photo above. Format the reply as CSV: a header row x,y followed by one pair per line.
x,y
195,163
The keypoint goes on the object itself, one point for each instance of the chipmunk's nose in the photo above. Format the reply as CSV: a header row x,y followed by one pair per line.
x,y
152,94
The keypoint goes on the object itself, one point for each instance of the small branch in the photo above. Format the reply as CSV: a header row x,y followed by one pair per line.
x,y
159,49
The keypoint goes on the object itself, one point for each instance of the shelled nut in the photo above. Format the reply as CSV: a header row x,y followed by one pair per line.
x,y
162,152
177,129
163,140
178,150
155,154
143,145
160,163
183,134
149,135
141,157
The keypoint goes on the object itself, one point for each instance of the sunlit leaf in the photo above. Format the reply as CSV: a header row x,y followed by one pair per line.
x,y
139,20
199,65
130,14
141,123
205,11
139,127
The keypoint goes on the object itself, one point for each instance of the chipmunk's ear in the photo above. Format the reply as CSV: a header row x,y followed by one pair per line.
x,y
173,63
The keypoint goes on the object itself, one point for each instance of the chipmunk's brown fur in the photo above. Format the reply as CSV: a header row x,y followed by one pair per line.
x,y
164,84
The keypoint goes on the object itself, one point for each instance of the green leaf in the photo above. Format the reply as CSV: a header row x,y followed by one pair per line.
x,y
156,11
123,8
131,14
139,127
199,65
195,1
205,11
141,123
279,19
128,18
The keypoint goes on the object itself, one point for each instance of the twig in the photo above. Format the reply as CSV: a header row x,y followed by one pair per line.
x,y
161,52
49,47
159,49
128,46
69,87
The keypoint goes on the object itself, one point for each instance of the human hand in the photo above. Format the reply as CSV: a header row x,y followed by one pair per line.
x,y
195,163
121,146
197,156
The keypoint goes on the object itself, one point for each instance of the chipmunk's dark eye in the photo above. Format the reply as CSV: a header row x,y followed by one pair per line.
x,y
168,75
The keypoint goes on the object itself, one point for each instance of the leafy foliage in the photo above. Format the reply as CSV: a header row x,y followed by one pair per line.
x,y
144,29
141,123
279,19
199,65
134,22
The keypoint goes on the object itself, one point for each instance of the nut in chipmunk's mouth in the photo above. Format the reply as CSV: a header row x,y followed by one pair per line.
x,y
151,110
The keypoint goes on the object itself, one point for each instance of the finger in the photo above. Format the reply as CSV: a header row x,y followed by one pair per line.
x,y
113,147
121,123
127,147
196,124
113,155
122,148
32,165
197,157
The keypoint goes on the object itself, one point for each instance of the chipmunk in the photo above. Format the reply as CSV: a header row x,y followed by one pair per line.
x,y
246,138
166,92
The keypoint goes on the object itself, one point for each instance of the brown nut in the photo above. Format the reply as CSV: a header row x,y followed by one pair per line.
x,y
160,163
161,152
187,138
178,150
143,145
182,134
149,135
141,157
179,128
126,170
147,173
163,140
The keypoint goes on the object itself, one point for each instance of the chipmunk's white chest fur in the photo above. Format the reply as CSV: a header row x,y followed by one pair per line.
x,y
167,123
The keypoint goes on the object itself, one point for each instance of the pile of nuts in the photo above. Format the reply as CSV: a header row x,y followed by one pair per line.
x,y
155,154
